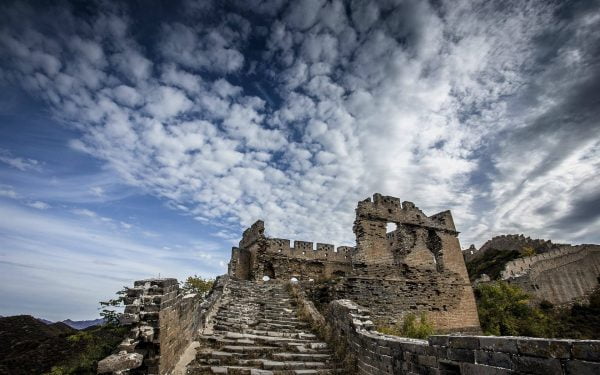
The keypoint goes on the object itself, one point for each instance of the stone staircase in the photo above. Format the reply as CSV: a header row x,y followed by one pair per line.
x,y
256,331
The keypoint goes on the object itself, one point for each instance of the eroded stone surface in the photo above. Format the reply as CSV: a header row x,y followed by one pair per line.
x,y
120,362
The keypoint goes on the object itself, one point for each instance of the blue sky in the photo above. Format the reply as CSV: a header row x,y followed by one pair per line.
x,y
140,140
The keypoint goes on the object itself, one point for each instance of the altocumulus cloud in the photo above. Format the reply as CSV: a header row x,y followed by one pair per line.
x,y
293,112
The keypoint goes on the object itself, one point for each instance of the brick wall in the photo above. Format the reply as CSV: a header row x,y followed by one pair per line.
x,y
376,353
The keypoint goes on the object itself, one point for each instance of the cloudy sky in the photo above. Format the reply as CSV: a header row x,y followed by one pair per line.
x,y
140,140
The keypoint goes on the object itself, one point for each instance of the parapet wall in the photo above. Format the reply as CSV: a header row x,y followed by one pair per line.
x,y
376,353
163,322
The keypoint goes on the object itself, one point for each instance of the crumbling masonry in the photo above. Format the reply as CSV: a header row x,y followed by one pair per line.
x,y
418,267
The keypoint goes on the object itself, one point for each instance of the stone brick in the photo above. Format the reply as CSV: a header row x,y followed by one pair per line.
x,y
535,365
119,362
438,340
478,369
586,350
463,342
545,348
576,367
501,344
496,359
462,355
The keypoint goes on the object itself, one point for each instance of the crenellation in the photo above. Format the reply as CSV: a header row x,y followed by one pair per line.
x,y
303,246
325,247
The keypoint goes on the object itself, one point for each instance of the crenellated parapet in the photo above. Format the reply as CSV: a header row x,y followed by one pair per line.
x,y
309,250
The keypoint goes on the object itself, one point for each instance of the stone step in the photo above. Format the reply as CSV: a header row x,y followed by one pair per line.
x,y
301,356
258,332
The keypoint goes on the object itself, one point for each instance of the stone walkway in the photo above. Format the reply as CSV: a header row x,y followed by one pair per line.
x,y
257,332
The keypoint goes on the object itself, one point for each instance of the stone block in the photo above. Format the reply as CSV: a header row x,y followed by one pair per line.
x,y
544,348
463,342
501,344
577,367
586,350
427,360
535,365
496,359
126,319
461,355
120,362
478,369
441,340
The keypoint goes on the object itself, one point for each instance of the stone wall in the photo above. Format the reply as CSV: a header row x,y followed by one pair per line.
x,y
258,256
376,353
163,322
560,275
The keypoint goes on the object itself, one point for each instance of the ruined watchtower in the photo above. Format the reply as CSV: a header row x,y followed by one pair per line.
x,y
417,267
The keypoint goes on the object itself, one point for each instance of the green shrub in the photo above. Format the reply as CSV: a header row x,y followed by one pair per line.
x,y
504,310
411,327
197,284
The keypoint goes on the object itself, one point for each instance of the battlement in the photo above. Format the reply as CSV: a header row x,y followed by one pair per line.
x,y
309,250
253,234
390,209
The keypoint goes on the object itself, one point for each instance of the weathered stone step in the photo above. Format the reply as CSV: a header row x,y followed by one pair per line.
x,y
301,356
249,349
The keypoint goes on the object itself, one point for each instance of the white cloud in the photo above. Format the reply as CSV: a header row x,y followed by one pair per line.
x,y
8,192
39,205
84,212
167,102
17,162
403,99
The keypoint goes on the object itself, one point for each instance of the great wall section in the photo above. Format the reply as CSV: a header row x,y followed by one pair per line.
x,y
313,309
557,273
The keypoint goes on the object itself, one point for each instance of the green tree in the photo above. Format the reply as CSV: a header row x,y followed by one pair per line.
x,y
109,310
504,310
197,284
528,251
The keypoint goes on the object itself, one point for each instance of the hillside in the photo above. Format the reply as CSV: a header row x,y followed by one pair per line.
x,y
493,255
29,346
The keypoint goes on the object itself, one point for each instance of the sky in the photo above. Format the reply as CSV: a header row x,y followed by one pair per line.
x,y
139,139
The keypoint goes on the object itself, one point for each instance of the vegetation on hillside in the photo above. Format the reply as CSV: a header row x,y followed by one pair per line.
x,y
87,348
413,327
491,263
506,310
30,346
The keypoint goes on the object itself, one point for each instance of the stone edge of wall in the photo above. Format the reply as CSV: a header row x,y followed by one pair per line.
x,y
145,304
376,353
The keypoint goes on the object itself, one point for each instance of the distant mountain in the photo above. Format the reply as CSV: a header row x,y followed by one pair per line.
x,y
77,324
82,324
30,346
